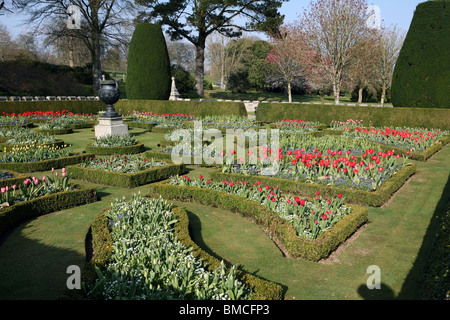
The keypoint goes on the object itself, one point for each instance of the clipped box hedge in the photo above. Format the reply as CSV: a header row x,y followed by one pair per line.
x,y
276,227
134,149
126,180
432,118
365,198
197,108
102,251
44,165
11,216
16,179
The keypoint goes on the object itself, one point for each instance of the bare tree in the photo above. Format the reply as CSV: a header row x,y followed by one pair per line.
x,y
289,56
390,44
99,20
334,28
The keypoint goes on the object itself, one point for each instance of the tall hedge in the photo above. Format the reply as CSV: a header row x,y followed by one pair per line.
x,y
148,70
421,76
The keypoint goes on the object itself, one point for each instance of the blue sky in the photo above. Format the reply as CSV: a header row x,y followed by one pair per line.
x,y
398,12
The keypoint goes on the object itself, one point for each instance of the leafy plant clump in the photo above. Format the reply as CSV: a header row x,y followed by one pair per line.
x,y
148,262
115,141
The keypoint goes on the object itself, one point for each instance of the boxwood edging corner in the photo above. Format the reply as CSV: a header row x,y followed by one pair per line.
x,y
277,228
11,216
16,179
373,199
128,180
102,251
44,165
133,149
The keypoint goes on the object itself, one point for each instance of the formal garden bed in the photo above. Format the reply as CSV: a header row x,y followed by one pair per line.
x,y
329,181
304,228
124,171
33,197
187,272
115,144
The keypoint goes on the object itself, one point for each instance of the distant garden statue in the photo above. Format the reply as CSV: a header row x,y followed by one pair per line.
x,y
174,95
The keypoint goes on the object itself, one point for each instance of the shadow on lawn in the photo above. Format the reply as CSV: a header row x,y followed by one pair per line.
x,y
31,270
413,286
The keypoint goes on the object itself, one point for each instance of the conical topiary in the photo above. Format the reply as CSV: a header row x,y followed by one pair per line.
x,y
148,70
422,72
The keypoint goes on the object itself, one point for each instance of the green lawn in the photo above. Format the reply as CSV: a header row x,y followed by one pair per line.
x,y
34,257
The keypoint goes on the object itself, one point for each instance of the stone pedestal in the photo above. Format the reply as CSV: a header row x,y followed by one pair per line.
x,y
110,126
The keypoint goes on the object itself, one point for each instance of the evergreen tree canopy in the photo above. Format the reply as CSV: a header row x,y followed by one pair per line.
x,y
422,72
148,71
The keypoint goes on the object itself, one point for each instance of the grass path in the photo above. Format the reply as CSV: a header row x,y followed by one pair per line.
x,y
35,256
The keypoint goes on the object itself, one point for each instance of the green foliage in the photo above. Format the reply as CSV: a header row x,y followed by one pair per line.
x,y
11,216
306,189
148,71
398,117
30,78
419,78
127,180
184,82
276,227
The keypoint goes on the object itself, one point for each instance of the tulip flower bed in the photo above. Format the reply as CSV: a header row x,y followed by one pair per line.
x,y
148,261
227,122
280,218
125,171
289,127
23,136
115,144
49,115
310,218
158,122
12,121
369,179
33,197
341,169
9,178
411,141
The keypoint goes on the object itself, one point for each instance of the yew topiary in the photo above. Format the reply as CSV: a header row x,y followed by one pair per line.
x,y
421,76
148,70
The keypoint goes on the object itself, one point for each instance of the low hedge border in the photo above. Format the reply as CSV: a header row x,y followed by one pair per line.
x,y
11,216
16,179
55,131
126,180
276,227
134,149
141,125
168,157
44,165
373,199
102,251
57,144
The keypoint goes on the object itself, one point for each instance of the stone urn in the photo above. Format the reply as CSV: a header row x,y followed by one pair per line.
x,y
109,94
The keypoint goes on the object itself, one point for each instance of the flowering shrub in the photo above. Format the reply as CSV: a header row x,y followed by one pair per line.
x,y
12,121
411,139
34,153
44,115
310,218
338,168
149,262
5,175
121,163
115,141
345,125
34,188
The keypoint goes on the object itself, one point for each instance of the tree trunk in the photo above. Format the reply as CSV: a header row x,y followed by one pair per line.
x,y
337,92
96,62
383,95
200,67
289,91
360,95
